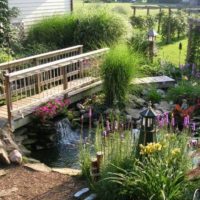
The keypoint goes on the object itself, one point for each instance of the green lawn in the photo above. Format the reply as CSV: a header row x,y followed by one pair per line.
x,y
171,51
168,52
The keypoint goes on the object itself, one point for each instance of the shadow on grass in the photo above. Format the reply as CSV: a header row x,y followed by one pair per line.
x,y
163,42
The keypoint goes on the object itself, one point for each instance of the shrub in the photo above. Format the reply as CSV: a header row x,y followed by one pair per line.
x,y
117,71
57,29
153,95
138,42
92,30
4,56
186,89
97,28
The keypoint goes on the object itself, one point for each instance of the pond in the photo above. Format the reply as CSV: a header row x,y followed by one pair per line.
x,y
65,153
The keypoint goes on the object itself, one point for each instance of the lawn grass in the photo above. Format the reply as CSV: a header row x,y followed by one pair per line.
x,y
169,52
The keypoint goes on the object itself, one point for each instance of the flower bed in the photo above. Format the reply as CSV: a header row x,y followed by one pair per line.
x,y
51,109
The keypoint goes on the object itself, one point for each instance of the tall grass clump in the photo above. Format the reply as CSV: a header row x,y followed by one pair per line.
x,y
56,30
99,27
118,69
90,29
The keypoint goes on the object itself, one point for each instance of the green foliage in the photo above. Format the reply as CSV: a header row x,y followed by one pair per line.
x,y
58,30
178,25
97,28
4,56
153,95
186,89
160,175
138,42
118,69
92,30
143,22
194,56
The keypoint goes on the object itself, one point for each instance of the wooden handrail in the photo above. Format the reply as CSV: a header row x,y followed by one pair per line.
x,y
32,59
53,65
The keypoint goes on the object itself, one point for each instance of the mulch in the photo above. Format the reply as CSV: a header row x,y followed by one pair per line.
x,y
32,185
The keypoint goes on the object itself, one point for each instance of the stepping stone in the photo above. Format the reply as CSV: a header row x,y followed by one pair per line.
x,y
91,197
38,167
67,171
7,192
81,192
2,172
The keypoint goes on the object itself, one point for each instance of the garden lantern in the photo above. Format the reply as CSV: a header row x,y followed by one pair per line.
x,y
148,125
151,38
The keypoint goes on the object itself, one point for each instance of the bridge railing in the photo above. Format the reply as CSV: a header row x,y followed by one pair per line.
x,y
32,61
30,87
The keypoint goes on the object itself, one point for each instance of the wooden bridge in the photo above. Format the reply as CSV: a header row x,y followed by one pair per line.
x,y
28,82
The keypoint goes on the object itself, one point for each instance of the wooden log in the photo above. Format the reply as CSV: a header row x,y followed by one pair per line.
x,y
65,79
95,170
99,158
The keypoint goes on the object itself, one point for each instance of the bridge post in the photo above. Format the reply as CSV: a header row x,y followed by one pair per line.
x,y
81,63
37,78
8,98
65,78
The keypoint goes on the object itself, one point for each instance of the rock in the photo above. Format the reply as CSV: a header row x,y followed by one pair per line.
x,y
21,131
7,192
138,101
134,113
112,111
161,92
38,167
30,160
128,117
24,150
91,197
2,172
1,144
20,138
15,157
29,141
4,157
67,171
80,106
164,106
80,193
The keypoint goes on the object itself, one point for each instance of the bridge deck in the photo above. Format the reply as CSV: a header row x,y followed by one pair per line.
x,y
25,106
29,103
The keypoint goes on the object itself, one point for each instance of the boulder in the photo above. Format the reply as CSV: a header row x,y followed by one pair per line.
x,y
134,113
137,101
15,157
80,106
40,167
164,106
4,157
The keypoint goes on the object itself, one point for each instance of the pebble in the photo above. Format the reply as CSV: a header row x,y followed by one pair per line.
x,y
81,192
91,197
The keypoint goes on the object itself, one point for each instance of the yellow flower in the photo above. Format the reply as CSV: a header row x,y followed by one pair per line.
x,y
176,151
185,78
150,148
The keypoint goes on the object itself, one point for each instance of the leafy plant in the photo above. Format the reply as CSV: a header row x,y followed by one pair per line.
x,y
118,69
97,28
159,174
185,89
56,30
138,42
153,95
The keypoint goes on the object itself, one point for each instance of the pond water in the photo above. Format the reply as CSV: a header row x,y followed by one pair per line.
x,y
66,150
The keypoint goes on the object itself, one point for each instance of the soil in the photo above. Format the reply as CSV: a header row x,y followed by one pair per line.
x,y
25,184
